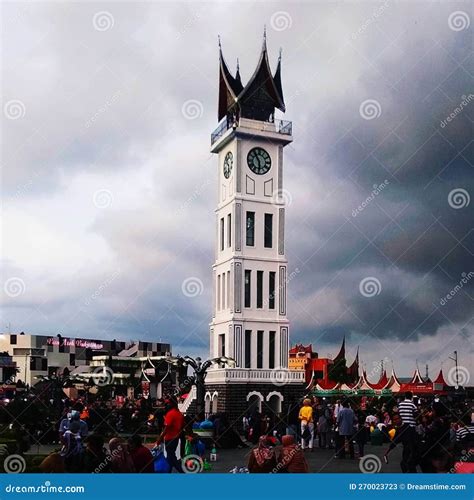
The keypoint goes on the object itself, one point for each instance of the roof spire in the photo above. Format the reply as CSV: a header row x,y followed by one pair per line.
x,y
219,42
279,54
264,46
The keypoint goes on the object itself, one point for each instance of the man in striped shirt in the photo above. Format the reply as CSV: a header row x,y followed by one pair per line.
x,y
406,434
407,410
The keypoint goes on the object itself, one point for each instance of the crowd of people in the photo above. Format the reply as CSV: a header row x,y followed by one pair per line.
x,y
98,438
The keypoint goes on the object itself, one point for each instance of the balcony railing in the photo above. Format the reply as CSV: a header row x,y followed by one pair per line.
x,y
281,376
284,127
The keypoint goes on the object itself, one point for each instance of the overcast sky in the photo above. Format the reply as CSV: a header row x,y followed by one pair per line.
x,y
108,186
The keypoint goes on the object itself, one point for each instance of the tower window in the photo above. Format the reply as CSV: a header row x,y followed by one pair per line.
x,y
222,344
229,230
218,292
248,286
250,229
228,288
222,234
260,349
268,237
223,291
259,289
248,348
271,289
271,350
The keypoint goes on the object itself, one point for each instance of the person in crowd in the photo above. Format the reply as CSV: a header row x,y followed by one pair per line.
x,y
72,450
262,459
292,419
307,424
323,427
225,435
337,409
406,434
95,458
255,429
120,457
291,457
345,425
362,433
52,464
141,456
172,429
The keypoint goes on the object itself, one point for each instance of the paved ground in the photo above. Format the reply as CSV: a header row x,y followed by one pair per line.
x,y
319,460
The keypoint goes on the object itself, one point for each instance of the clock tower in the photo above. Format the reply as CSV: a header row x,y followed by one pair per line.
x,y
250,323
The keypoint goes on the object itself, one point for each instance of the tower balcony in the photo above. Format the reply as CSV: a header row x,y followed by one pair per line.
x,y
281,376
278,129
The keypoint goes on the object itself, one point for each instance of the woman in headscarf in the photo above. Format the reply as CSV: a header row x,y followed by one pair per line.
x,y
262,458
291,458
120,458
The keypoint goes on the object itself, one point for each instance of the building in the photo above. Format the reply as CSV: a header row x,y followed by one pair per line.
x,y
38,356
319,369
250,322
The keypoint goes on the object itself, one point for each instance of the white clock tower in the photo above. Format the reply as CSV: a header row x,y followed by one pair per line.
x,y
250,321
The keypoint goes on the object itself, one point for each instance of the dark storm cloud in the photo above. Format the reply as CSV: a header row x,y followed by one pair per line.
x,y
104,110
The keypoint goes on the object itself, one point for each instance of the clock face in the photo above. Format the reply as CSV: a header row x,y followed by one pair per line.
x,y
259,161
228,162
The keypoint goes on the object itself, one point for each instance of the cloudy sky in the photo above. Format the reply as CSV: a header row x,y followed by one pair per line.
x,y
108,186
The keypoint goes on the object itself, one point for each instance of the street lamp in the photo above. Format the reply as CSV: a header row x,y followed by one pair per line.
x,y
200,369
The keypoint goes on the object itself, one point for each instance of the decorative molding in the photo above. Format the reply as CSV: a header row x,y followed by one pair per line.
x,y
238,168
249,185
255,393
282,290
284,347
275,393
238,287
268,187
280,168
281,231
238,345
238,227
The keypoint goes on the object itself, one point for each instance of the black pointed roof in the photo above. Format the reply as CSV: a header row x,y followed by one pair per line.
x,y
260,96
